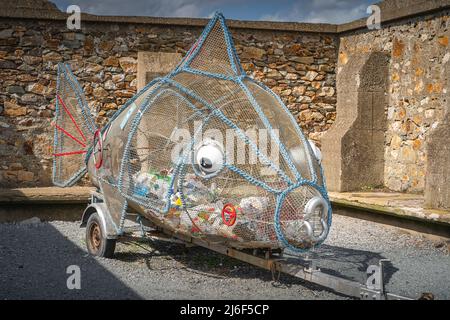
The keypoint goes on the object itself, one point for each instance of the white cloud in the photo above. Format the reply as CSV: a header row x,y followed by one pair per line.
x,y
338,15
323,11
159,8
155,8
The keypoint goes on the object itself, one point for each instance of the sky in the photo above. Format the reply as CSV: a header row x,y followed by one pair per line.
x,y
325,11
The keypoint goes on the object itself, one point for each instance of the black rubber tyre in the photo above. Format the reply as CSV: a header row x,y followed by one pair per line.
x,y
96,241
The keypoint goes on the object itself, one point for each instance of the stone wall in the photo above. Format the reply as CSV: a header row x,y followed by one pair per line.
x,y
103,56
418,48
298,61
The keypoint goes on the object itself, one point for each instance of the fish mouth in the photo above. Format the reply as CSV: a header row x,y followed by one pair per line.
x,y
302,218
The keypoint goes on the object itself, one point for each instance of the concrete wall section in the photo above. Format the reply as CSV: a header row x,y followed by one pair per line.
x,y
418,48
353,148
437,186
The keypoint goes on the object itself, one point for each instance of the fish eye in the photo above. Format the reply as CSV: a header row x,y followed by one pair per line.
x,y
209,157
206,163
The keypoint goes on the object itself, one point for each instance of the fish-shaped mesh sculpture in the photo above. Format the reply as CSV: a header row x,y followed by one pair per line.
x,y
205,150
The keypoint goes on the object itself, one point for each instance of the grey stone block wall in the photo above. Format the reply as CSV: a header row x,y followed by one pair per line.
x,y
104,57
417,48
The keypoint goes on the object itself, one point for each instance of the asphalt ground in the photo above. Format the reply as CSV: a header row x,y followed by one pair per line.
x,y
35,258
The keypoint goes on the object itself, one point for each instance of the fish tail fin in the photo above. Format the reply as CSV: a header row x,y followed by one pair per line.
x,y
74,130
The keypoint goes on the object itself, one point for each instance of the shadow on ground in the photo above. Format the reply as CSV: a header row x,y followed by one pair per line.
x,y
350,264
33,263
35,257
342,262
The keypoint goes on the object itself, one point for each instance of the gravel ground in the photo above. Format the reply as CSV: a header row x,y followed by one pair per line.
x,y
34,259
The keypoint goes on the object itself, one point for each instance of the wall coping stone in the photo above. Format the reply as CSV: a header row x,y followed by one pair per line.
x,y
391,10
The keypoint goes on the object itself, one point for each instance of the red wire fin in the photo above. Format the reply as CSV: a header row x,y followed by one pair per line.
x,y
69,153
70,136
71,117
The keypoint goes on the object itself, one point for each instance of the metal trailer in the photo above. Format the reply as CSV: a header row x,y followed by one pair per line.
x,y
99,229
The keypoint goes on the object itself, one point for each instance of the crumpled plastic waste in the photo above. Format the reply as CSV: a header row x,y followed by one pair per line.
x,y
292,228
254,206
176,201
202,218
195,192
207,218
253,210
152,184
203,212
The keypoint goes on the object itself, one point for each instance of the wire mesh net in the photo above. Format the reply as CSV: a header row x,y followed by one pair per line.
x,y
230,101
157,139
298,226
213,154
213,55
250,218
73,130
289,133
205,150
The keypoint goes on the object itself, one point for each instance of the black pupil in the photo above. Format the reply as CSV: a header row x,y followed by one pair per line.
x,y
206,163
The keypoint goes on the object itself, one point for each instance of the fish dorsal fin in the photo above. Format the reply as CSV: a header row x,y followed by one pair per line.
x,y
214,51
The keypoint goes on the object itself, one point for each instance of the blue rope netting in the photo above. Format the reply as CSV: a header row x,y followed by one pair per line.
x,y
160,87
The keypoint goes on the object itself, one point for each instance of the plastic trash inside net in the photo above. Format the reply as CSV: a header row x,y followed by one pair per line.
x,y
167,152
152,183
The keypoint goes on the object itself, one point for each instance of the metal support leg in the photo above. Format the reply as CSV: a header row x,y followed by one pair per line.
x,y
381,278
311,265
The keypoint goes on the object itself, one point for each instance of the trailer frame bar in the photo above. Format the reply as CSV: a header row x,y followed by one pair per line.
x,y
307,270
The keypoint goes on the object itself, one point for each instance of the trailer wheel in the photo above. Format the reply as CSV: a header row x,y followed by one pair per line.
x,y
96,241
